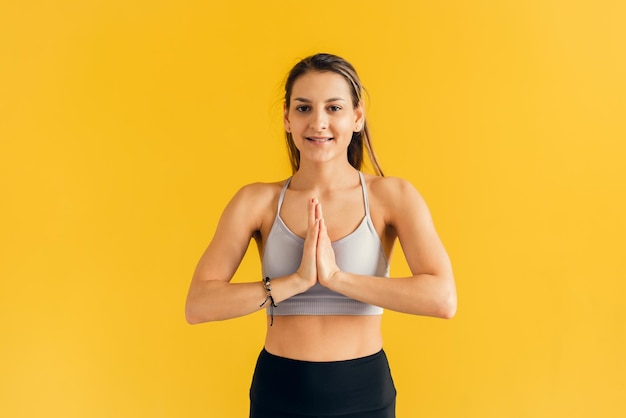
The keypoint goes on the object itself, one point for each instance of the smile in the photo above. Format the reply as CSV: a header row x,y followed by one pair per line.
x,y
318,139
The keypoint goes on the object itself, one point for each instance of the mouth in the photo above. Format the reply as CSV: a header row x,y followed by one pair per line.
x,y
319,139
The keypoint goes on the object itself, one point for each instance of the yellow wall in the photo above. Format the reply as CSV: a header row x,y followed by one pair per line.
x,y
125,127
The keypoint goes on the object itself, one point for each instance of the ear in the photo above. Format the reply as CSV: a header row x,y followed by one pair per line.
x,y
286,118
359,117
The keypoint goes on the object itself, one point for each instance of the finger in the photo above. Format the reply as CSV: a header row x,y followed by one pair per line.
x,y
312,212
308,265
326,263
323,234
318,211
314,227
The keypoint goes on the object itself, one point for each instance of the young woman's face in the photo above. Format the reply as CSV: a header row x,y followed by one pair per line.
x,y
321,116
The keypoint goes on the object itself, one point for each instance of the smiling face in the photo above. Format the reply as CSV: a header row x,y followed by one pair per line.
x,y
321,116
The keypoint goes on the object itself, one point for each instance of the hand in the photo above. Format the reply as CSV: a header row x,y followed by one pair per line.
x,y
326,263
308,266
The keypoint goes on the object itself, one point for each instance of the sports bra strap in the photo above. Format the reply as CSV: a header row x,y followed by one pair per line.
x,y
282,196
365,200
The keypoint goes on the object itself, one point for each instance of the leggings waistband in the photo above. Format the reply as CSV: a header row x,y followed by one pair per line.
x,y
334,388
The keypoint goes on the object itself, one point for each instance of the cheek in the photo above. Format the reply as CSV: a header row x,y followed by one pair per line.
x,y
297,121
345,124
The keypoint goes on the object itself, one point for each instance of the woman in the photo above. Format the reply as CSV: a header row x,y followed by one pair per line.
x,y
325,235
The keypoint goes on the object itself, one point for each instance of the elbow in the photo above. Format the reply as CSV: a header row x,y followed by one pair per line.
x,y
448,308
191,317
448,305
197,309
200,314
200,309
445,303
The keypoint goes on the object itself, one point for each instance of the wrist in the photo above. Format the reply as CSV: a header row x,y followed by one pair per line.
x,y
269,298
334,280
301,282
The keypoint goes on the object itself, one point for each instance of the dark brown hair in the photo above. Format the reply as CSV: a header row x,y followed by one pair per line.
x,y
361,139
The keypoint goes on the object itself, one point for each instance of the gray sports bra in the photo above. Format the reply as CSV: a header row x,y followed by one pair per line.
x,y
360,252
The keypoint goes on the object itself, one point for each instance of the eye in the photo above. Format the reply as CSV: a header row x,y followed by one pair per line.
x,y
334,108
302,108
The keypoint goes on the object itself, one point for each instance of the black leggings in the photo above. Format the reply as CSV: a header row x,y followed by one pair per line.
x,y
359,388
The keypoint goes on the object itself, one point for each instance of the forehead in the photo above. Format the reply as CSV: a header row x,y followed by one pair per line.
x,y
321,85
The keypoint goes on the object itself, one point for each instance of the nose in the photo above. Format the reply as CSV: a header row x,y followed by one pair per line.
x,y
319,121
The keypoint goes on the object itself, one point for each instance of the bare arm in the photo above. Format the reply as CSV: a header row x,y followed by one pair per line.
x,y
431,290
211,296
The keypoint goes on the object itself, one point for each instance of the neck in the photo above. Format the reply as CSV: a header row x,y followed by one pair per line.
x,y
323,177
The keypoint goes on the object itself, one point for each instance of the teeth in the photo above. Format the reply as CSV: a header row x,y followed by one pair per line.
x,y
319,140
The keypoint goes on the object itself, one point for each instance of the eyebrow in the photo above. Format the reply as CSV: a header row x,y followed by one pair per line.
x,y
332,99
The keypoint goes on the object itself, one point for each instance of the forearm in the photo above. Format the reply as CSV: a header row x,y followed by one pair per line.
x,y
214,300
422,294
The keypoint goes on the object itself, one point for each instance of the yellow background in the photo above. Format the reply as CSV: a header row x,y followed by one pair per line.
x,y
126,126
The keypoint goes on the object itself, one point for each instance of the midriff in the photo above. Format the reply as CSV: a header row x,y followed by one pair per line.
x,y
324,338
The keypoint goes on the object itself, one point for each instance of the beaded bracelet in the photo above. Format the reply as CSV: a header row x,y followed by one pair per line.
x,y
268,292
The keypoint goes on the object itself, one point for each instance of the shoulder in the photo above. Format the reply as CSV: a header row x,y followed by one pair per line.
x,y
259,191
390,188
255,197
251,205
395,197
